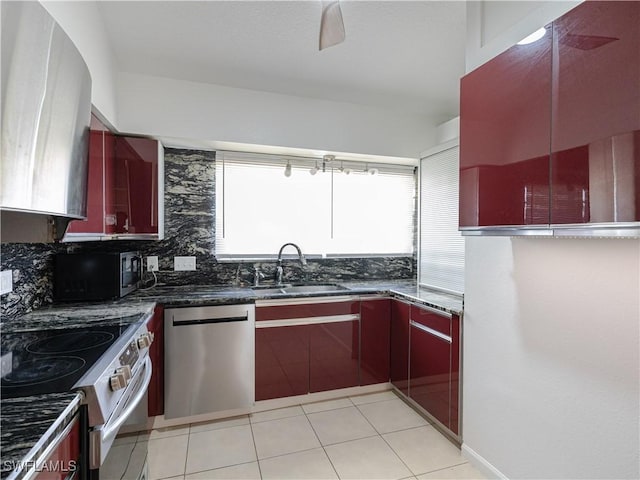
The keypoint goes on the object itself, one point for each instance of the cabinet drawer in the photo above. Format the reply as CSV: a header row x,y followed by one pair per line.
x,y
303,309
439,321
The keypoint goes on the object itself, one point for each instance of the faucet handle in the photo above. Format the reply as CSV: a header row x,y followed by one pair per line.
x,y
257,275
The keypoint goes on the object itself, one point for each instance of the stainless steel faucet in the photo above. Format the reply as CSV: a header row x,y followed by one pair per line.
x,y
279,269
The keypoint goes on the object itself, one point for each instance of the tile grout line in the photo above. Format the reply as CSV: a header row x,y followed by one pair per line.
x,y
387,443
320,442
443,468
255,448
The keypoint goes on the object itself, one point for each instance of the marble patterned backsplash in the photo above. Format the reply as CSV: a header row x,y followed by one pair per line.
x,y
189,230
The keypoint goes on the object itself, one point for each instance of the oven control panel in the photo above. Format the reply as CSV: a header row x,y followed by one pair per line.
x,y
130,355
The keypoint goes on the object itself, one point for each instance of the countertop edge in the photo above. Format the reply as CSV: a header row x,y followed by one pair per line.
x,y
34,457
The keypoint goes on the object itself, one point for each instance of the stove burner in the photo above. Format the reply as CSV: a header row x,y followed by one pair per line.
x,y
70,342
42,370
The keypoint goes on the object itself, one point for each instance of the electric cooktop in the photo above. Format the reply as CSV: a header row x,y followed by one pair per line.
x,y
51,361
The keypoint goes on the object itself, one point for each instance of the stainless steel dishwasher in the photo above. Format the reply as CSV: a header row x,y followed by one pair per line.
x,y
209,359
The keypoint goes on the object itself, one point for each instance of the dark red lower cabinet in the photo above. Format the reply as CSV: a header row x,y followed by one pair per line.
x,y
63,461
282,361
434,364
400,346
156,353
430,373
333,355
455,375
375,339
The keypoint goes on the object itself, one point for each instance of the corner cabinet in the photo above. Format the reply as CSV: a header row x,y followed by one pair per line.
x,y
550,131
425,362
375,340
125,188
400,312
434,364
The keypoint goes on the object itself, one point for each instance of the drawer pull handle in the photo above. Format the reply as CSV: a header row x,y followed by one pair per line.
x,y
431,331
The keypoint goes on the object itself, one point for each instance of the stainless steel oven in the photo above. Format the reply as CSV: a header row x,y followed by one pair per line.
x,y
114,390
109,363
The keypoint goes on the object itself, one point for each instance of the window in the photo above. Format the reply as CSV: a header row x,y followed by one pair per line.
x,y
329,214
441,256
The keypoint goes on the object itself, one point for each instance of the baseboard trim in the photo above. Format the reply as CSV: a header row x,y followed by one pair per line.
x,y
479,462
260,406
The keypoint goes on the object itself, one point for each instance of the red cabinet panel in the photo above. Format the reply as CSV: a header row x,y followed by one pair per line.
x,y
454,409
135,200
64,459
333,355
434,365
430,373
375,341
550,131
122,187
156,352
95,222
307,310
282,361
400,345
504,132
596,114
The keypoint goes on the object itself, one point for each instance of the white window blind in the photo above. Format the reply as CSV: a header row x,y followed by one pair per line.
x,y
258,208
441,244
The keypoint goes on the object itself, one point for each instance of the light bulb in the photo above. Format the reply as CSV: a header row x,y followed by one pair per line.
x,y
287,170
534,37
314,170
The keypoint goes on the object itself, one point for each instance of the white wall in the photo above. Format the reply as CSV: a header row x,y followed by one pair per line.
x,y
551,365
551,330
175,108
82,22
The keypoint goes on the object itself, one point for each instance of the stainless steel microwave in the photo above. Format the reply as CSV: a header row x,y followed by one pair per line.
x,y
95,276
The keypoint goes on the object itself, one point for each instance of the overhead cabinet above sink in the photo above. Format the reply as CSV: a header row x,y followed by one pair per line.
x,y
550,131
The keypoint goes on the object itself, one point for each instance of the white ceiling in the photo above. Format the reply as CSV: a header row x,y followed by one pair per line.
x,y
398,54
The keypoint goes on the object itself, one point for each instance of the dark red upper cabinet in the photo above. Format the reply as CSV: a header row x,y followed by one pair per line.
x,y
504,133
596,114
136,185
550,131
100,156
125,195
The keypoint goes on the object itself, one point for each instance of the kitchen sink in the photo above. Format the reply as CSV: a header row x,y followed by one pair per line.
x,y
293,289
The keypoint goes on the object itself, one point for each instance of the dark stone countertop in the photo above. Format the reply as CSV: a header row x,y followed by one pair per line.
x,y
29,425
220,295
71,315
17,413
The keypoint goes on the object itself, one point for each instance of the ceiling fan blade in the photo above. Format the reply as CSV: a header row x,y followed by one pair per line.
x,y
331,24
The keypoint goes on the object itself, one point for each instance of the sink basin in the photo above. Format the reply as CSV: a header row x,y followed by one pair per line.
x,y
313,288
293,289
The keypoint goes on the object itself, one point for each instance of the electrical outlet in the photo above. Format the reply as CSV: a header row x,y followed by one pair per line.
x,y
6,282
152,264
6,364
184,263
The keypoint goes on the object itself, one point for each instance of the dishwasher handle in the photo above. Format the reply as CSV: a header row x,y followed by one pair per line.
x,y
208,321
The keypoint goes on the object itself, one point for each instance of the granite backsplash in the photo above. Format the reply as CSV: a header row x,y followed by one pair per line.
x,y
189,230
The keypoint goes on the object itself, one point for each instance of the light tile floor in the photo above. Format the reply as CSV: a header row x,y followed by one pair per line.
x,y
375,436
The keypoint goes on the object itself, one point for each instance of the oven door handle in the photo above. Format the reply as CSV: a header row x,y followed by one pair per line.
x,y
111,430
